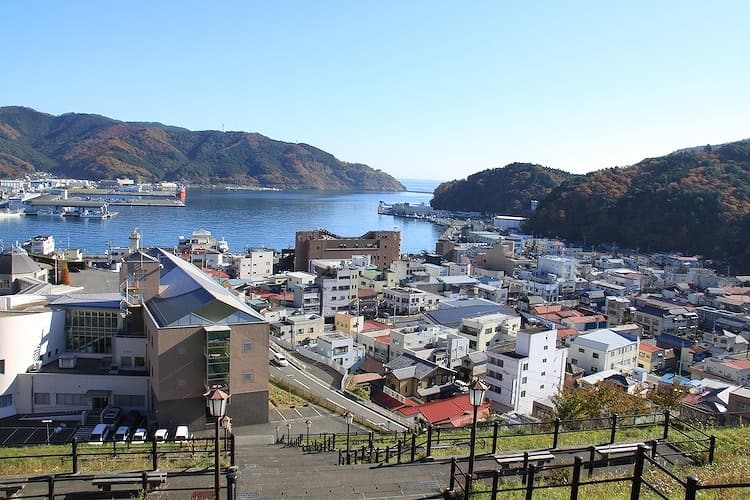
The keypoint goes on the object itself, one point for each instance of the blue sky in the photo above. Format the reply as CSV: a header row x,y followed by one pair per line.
x,y
420,89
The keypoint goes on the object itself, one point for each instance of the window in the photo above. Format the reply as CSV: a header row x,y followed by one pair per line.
x,y
546,347
541,386
126,362
544,360
573,361
499,361
42,398
525,366
247,377
181,350
523,394
580,349
523,380
2,366
130,400
70,399
140,361
595,355
544,374
247,346
181,382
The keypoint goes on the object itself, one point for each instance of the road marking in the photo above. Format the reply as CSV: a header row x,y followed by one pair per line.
x,y
303,385
316,411
298,412
280,414
373,423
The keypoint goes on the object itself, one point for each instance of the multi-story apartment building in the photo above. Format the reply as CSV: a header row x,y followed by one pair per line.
x,y
383,246
527,369
306,297
254,264
436,343
658,317
42,245
409,301
563,268
299,328
338,288
603,349
340,349
484,330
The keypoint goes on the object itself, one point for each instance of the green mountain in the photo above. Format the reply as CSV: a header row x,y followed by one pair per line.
x,y
695,200
96,147
507,190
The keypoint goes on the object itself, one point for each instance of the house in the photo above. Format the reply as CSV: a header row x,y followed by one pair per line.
x,y
408,301
472,365
652,358
658,317
340,349
456,411
485,329
18,271
419,379
254,264
299,328
603,349
724,368
526,369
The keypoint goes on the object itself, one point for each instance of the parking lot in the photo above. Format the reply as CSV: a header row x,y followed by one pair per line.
x,y
298,412
59,433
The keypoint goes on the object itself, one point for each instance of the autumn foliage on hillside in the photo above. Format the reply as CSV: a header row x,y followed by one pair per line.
x,y
695,201
507,190
96,147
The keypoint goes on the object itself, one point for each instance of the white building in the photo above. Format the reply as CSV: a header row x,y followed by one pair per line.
x,y
338,288
530,369
254,264
43,245
506,222
340,349
563,268
603,349
483,331
435,343
409,300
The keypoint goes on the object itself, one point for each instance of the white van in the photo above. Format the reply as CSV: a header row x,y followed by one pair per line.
x,y
99,434
181,434
122,433
161,435
280,359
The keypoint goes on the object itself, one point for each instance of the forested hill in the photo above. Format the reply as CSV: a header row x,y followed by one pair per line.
x,y
506,190
96,147
695,200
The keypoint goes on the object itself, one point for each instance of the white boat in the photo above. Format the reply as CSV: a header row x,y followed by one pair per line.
x,y
6,213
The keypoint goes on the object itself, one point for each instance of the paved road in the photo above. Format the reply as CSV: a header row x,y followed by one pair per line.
x,y
302,379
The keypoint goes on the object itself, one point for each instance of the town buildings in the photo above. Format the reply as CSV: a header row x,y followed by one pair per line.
x,y
383,246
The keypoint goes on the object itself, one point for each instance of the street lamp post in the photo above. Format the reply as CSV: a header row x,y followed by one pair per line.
x,y
308,423
47,422
349,418
216,400
226,424
288,433
477,390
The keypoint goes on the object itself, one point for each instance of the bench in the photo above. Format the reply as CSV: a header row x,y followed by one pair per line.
x,y
8,490
618,450
538,457
153,480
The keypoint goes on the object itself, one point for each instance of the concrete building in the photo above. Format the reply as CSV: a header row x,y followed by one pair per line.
x,y
198,335
299,328
408,301
525,370
485,330
254,264
563,268
18,271
658,317
338,288
602,350
340,349
383,246
42,245
652,357
436,343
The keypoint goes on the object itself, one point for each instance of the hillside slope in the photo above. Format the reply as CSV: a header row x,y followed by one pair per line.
x,y
695,200
506,190
97,147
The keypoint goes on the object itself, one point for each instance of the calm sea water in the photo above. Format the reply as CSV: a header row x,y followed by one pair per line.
x,y
243,218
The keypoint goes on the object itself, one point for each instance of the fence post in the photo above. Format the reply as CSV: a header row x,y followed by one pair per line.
x,y
495,478
387,453
525,466
398,449
557,433
576,479
154,456
691,488
614,429
452,483
333,441
494,436
666,425
144,483
232,449
711,448
413,446
530,481
51,487
635,488
592,451
232,482
74,452
114,448
370,439
429,442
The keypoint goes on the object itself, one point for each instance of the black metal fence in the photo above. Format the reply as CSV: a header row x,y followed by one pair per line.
x,y
533,478
402,447
153,452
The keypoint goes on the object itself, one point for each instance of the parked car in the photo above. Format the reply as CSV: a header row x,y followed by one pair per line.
x,y
280,359
122,433
139,436
100,434
181,434
161,435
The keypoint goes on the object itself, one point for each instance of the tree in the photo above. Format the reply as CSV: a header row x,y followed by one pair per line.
x,y
667,397
65,274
